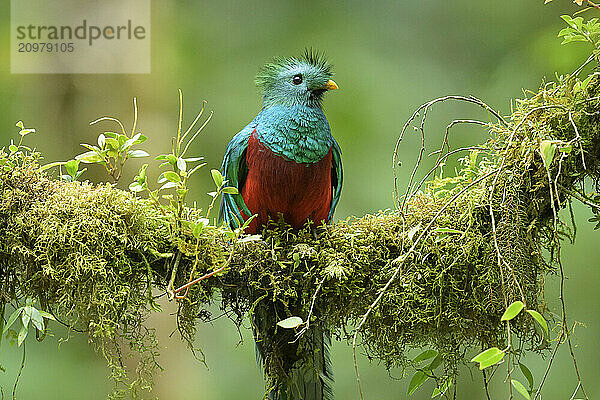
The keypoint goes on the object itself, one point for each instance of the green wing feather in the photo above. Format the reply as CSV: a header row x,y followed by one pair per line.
x,y
234,169
337,177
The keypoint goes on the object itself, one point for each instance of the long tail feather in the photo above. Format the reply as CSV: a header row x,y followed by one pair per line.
x,y
313,379
305,363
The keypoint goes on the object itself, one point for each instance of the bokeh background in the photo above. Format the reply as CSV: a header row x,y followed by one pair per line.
x,y
389,56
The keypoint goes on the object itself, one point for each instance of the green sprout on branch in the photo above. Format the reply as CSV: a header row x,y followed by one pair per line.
x,y
180,169
113,148
27,314
8,161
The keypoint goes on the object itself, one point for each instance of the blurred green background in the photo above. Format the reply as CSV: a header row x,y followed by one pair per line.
x,y
389,56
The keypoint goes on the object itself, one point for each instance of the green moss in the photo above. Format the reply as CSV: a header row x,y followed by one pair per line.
x,y
93,254
84,251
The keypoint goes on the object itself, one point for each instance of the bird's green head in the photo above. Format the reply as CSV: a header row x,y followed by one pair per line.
x,y
296,81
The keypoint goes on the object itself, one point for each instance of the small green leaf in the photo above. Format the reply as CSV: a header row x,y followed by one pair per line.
x,y
586,82
95,149
172,176
47,315
512,311
24,132
168,185
37,319
491,361
13,148
527,373
547,149
540,320
11,320
520,388
101,140
426,355
141,139
181,164
129,142
567,18
111,143
488,357
142,174
26,316
20,124
89,157
172,159
137,153
573,38
441,390
197,230
79,173
230,190
291,322
437,361
248,221
72,166
217,177
416,381
202,223
121,139
135,187
565,31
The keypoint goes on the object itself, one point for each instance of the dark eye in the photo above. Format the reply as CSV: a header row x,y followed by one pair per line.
x,y
297,79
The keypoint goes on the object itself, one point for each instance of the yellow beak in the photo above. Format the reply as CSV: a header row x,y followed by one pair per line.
x,y
331,85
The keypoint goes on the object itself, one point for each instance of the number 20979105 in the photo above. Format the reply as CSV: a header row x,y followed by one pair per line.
x,y
45,47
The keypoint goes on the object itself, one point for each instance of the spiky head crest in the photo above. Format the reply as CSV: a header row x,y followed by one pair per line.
x,y
295,80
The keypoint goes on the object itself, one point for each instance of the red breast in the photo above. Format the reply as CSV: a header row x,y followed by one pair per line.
x,y
275,184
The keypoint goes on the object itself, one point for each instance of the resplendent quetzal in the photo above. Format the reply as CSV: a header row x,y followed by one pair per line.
x,y
285,163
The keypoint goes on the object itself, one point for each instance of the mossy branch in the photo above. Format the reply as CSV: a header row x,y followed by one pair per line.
x,y
438,272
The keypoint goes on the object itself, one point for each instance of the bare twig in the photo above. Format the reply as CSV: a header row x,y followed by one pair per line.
x,y
564,329
14,392
170,292
310,311
486,385
208,275
425,108
578,196
577,139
